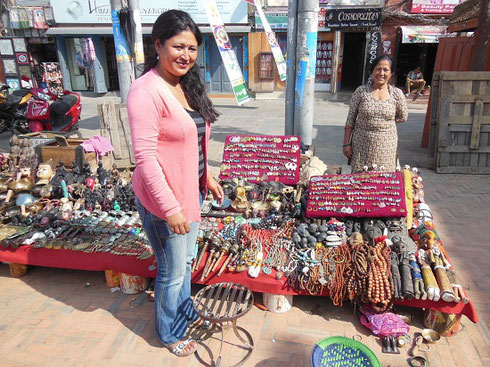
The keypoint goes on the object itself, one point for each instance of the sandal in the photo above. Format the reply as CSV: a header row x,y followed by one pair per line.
x,y
179,349
151,296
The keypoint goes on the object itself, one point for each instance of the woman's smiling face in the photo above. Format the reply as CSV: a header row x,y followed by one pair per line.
x,y
178,54
382,72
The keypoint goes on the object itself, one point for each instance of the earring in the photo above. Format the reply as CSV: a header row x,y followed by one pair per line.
x,y
158,57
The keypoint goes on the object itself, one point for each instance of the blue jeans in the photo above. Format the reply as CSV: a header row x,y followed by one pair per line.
x,y
174,253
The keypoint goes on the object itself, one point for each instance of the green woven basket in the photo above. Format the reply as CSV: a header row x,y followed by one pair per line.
x,y
339,351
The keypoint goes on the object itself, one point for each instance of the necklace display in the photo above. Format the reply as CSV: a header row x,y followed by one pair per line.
x,y
368,194
261,158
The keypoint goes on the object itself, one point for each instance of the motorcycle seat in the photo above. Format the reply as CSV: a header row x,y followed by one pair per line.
x,y
21,92
59,108
14,99
62,105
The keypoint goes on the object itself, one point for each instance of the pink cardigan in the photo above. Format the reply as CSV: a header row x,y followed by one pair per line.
x,y
164,139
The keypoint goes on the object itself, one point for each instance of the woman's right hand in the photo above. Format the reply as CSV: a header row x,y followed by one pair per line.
x,y
178,223
348,151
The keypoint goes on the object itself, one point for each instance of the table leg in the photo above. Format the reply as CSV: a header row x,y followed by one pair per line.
x,y
248,345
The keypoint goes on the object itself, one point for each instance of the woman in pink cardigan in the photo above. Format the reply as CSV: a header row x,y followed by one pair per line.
x,y
170,116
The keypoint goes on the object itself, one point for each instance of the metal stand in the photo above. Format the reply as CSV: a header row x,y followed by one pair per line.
x,y
222,304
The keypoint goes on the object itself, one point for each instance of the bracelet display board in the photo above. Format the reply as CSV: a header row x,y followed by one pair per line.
x,y
259,158
367,194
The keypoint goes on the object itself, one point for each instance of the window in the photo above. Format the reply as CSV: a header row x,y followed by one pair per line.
x,y
266,66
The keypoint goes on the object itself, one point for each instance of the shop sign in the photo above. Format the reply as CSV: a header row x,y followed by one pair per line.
x,y
32,3
277,20
349,18
99,11
373,50
434,6
351,3
422,34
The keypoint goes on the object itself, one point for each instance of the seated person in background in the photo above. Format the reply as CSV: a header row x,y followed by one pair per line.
x,y
415,79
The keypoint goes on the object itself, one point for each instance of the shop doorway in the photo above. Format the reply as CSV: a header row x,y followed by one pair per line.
x,y
411,55
110,56
80,65
352,60
220,83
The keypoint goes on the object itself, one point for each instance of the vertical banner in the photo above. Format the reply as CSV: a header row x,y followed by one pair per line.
x,y
271,37
227,54
122,48
311,41
373,50
301,80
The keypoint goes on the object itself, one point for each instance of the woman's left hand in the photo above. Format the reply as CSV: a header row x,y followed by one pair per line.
x,y
215,189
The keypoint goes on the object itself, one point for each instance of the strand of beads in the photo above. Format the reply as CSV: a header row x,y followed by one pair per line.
x,y
380,291
342,259
357,286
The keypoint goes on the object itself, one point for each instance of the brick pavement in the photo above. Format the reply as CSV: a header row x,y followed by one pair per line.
x,y
59,317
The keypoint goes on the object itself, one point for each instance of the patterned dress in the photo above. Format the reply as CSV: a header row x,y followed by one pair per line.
x,y
374,137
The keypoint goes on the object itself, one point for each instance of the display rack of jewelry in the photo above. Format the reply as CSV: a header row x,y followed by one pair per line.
x,y
368,194
261,158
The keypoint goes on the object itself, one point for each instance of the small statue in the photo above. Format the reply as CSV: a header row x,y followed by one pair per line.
x,y
115,173
395,273
102,174
66,208
125,177
240,202
44,173
418,281
86,170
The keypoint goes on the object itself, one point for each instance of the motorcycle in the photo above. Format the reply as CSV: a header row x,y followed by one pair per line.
x,y
47,111
12,109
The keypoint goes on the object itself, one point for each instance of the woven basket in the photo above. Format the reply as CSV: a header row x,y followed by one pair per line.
x,y
339,351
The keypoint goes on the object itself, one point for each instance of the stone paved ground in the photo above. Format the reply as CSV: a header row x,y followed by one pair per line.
x,y
57,317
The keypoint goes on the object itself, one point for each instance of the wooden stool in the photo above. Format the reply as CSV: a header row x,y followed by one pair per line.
x,y
225,302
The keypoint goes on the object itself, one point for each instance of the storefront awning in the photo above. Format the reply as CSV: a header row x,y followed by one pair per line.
x,y
107,31
422,34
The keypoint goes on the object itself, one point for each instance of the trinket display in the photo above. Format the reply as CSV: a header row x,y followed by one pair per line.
x,y
261,158
367,238
77,210
367,194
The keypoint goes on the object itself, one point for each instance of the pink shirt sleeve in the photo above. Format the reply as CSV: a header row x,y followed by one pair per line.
x,y
145,110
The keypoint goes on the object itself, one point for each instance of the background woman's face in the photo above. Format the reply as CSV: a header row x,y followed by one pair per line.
x,y
178,54
382,72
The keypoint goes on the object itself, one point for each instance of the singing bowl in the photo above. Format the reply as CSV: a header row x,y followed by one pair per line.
x,y
431,336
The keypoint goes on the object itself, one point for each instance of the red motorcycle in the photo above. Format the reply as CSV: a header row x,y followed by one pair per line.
x,y
47,111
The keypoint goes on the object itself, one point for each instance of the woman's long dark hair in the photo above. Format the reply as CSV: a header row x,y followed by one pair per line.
x,y
168,25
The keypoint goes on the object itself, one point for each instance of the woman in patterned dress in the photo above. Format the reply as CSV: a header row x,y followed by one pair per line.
x,y
375,109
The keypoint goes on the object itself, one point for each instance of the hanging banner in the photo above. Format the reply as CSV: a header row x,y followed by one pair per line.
x,y
373,50
39,20
271,37
122,48
228,56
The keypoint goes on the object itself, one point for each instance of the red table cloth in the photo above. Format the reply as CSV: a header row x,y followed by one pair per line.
x,y
131,265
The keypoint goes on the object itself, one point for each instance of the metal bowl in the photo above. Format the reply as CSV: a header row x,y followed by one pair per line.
x,y
431,336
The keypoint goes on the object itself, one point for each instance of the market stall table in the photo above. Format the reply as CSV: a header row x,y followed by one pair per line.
x,y
130,265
